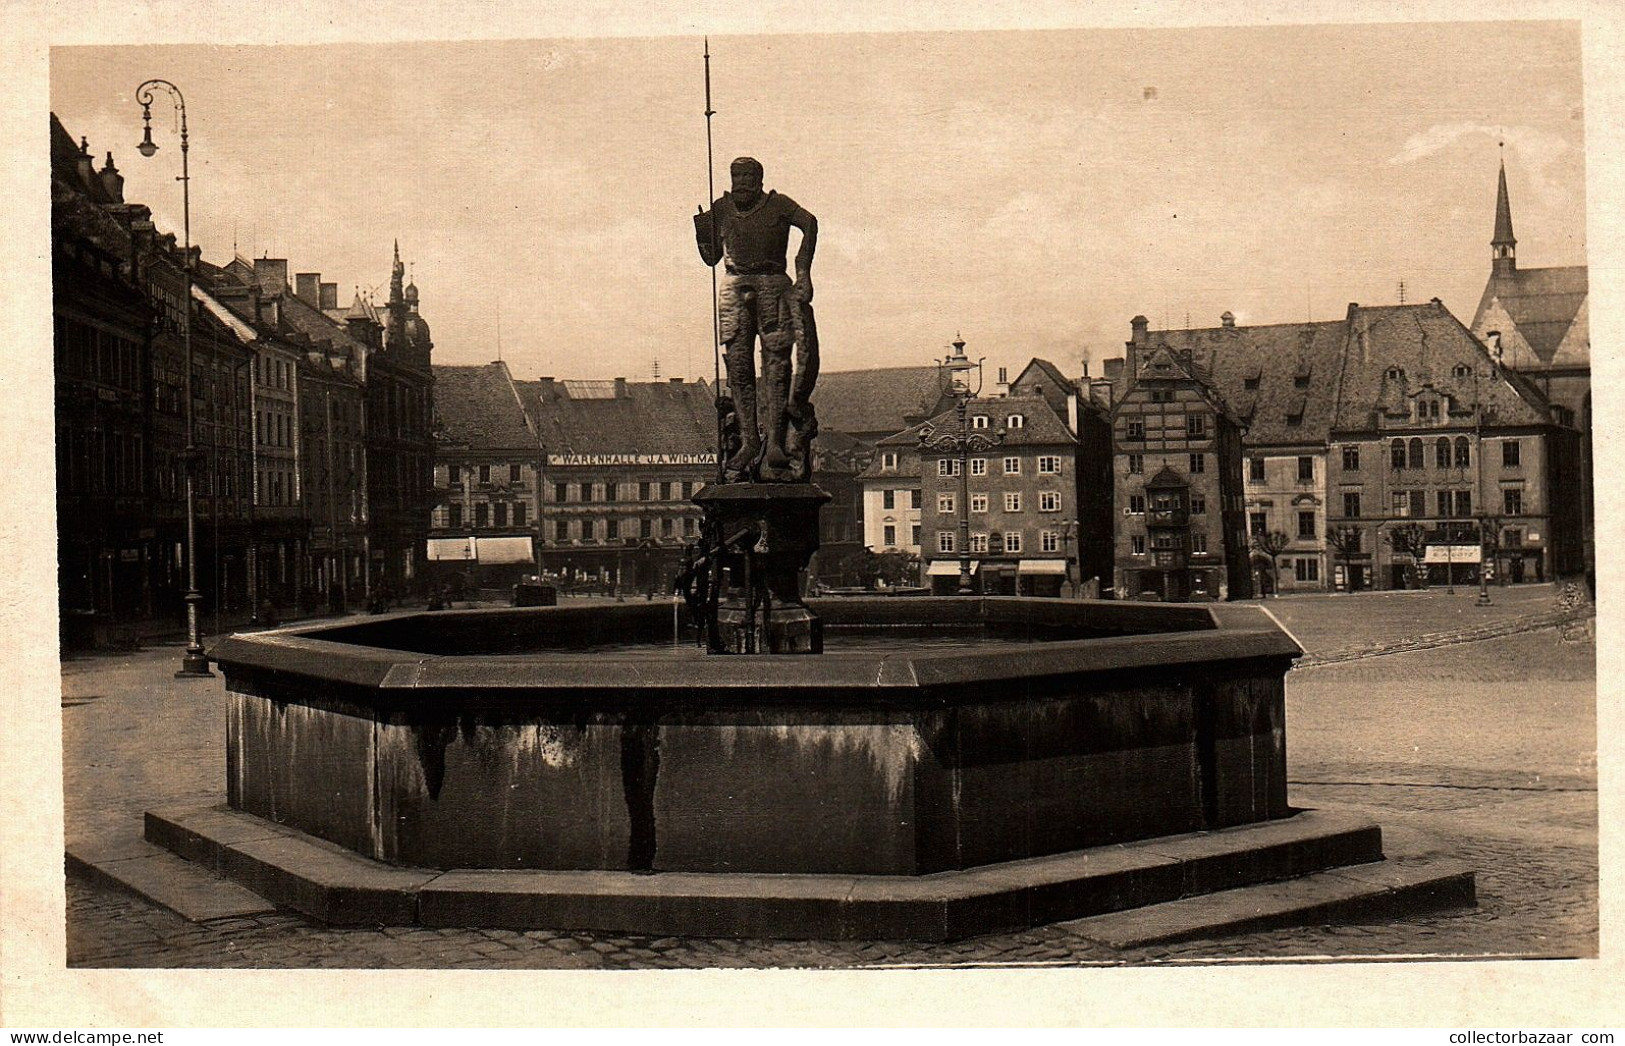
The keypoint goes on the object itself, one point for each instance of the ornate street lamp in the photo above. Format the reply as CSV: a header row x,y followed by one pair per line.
x,y
193,662
955,374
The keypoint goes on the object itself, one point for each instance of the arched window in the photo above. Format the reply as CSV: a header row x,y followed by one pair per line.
x,y
1441,453
1396,454
1416,454
1464,453
1461,370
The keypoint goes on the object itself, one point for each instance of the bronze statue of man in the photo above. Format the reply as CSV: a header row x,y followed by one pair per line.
x,y
749,232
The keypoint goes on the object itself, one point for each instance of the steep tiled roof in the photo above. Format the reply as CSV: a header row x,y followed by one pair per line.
x,y
1041,426
1256,372
663,417
876,402
479,407
316,325
1542,302
1393,351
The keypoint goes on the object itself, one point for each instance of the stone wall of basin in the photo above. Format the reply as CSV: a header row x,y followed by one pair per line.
x,y
845,763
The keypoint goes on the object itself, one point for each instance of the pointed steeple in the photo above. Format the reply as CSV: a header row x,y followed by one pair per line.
x,y
1503,248
396,277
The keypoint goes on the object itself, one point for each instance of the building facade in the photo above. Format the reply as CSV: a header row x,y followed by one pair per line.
x,y
487,475
621,462
1177,472
1537,322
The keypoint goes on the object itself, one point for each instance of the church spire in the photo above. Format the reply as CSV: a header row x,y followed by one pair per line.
x,y
1503,248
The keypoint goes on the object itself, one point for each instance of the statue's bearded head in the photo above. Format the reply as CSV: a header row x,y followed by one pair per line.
x,y
747,181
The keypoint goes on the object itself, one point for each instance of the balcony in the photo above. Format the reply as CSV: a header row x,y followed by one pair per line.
x,y
1167,517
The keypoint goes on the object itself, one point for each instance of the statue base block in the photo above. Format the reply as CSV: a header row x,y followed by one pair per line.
x,y
766,534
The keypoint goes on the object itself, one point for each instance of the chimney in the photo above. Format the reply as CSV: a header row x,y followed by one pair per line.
x,y
1141,329
87,166
112,181
272,274
307,286
1001,388
329,297
1100,392
620,388
1228,319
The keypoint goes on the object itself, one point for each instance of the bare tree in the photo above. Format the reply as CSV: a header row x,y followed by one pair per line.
x,y
1271,544
1345,541
1408,539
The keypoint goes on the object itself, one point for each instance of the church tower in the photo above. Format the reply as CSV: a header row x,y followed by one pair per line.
x,y
395,330
1504,247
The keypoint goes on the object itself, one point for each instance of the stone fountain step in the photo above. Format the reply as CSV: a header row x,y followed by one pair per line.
x,y
184,887
338,886
1382,891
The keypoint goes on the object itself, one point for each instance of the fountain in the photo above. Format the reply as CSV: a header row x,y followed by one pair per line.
x,y
921,768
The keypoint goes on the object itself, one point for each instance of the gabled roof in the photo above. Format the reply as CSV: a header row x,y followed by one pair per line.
x,y
878,401
1041,425
1542,302
1395,351
479,407
1167,479
1180,364
662,417
1272,357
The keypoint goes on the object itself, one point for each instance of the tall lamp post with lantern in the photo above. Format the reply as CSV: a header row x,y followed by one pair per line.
x,y
955,374
193,663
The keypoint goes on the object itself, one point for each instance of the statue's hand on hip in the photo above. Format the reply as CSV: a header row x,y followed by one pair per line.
x,y
804,287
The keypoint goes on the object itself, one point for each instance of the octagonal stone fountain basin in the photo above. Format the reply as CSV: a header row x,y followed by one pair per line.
x,y
933,734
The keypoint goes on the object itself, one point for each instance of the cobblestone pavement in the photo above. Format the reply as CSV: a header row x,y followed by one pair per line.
x,y
1483,750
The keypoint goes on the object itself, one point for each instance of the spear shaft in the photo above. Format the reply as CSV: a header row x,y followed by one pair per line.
x,y
716,314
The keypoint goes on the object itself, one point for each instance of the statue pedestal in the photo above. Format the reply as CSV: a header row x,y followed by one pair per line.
x,y
768,533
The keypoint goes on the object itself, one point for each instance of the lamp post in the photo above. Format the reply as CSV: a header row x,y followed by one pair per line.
x,y
1483,563
1068,528
956,370
193,663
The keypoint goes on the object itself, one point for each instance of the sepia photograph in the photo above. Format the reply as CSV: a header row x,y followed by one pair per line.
x,y
965,499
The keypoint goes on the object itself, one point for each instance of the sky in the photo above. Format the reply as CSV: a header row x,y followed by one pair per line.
x,y
1028,190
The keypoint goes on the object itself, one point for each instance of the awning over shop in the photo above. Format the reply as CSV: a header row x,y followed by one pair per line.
x,y
502,550
451,548
948,567
1056,567
1451,554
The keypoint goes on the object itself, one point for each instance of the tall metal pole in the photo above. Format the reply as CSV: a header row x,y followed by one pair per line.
x,y
194,663
964,494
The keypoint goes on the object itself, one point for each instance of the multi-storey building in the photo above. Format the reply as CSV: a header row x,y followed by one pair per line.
x,y
1177,476
1036,502
621,461
487,477
123,323
1430,431
400,440
1537,322
892,495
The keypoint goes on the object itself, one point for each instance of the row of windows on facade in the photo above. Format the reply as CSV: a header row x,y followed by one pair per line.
x,y
1454,504
275,429
1008,543
1169,542
619,529
1048,501
486,514
1136,505
1196,462
483,473
1196,427
1048,465
100,461
1402,454
273,373
609,492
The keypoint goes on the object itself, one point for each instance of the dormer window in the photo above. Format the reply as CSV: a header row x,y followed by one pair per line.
x,y
889,460
1461,370
1251,383
980,421
1015,421
1394,374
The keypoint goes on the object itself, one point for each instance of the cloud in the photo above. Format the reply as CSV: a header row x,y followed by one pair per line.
x,y
1537,149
